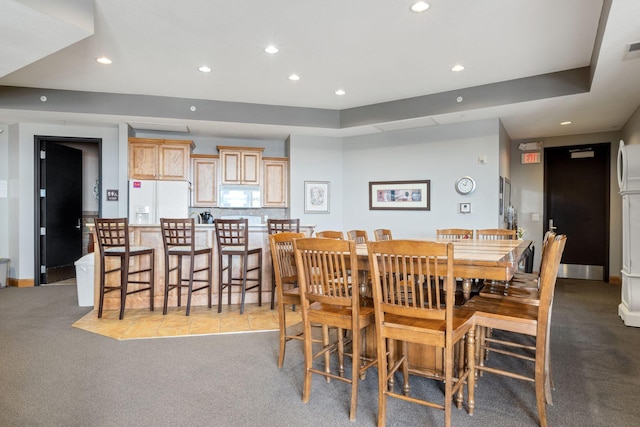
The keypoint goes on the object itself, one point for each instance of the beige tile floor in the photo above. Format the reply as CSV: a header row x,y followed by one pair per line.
x,y
142,323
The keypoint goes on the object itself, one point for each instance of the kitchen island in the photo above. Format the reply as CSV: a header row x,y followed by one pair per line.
x,y
150,236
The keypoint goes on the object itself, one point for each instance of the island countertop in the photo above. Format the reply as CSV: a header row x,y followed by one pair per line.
x,y
150,236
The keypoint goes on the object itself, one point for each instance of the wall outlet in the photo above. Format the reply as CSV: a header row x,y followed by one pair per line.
x,y
464,208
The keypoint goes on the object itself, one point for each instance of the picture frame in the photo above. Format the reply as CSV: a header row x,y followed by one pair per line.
x,y
316,197
400,195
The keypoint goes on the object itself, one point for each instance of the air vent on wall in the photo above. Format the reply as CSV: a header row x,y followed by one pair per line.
x,y
633,51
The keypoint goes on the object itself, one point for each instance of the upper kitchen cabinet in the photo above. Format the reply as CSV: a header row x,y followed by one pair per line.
x,y
204,176
241,165
159,159
275,182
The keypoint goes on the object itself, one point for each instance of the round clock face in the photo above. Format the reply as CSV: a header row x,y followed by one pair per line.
x,y
465,185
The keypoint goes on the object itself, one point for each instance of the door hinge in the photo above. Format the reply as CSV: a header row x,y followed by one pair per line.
x,y
43,155
43,231
43,192
43,269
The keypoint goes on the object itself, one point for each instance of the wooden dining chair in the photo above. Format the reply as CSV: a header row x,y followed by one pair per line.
x,y
113,243
409,308
381,234
454,233
328,299
330,234
275,226
522,285
525,319
286,280
232,239
179,241
280,225
495,234
358,236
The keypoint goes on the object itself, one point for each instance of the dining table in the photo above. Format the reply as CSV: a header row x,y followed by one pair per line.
x,y
472,259
476,259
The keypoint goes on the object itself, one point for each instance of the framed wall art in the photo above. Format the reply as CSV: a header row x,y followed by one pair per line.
x,y
316,197
400,195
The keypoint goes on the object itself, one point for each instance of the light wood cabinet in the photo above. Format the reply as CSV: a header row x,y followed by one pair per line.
x,y
240,165
161,159
204,178
275,187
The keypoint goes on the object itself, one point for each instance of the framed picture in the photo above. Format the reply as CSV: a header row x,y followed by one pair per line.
x,y
400,195
507,192
316,197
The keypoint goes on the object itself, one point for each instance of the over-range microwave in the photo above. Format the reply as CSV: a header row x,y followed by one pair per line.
x,y
239,196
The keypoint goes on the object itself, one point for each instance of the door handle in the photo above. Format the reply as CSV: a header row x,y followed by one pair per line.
x,y
551,227
79,225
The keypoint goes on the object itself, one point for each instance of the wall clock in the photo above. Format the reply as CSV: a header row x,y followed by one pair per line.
x,y
465,185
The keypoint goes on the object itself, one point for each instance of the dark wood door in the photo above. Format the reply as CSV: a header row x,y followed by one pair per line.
x,y
577,204
60,211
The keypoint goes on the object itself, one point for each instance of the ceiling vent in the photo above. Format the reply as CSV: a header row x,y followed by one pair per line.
x,y
633,51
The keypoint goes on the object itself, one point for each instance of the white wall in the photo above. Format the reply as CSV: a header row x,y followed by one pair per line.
x,y
440,154
4,198
527,185
313,158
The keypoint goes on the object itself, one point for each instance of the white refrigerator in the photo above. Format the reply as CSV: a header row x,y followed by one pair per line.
x,y
151,200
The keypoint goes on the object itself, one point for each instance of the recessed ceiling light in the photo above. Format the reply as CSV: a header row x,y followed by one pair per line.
x,y
294,77
565,123
457,67
271,49
340,92
420,6
204,69
104,60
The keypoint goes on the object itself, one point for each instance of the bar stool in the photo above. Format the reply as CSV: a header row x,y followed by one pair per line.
x,y
232,239
113,242
178,237
275,226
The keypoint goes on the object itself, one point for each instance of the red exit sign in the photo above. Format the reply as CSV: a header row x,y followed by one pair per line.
x,y
530,158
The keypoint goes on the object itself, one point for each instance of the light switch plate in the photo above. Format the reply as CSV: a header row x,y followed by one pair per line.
x,y
464,208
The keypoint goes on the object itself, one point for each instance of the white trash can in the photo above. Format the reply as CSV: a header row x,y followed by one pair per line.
x,y
84,280
4,266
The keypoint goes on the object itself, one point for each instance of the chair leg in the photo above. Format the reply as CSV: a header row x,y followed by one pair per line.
x,y
124,276
102,283
167,281
355,373
152,273
244,284
383,384
471,366
282,320
210,277
327,354
190,288
308,362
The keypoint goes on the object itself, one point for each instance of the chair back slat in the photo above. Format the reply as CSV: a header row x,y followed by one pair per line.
x,y
282,225
178,232
284,266
112,233
358,236
330,234
324,270
496,234
454,233
406,277
232,233
381,234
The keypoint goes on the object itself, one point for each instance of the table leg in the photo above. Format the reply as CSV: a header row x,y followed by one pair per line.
x,y
466,288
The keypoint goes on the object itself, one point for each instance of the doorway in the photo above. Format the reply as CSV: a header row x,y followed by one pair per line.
x,y
60,205
576,188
